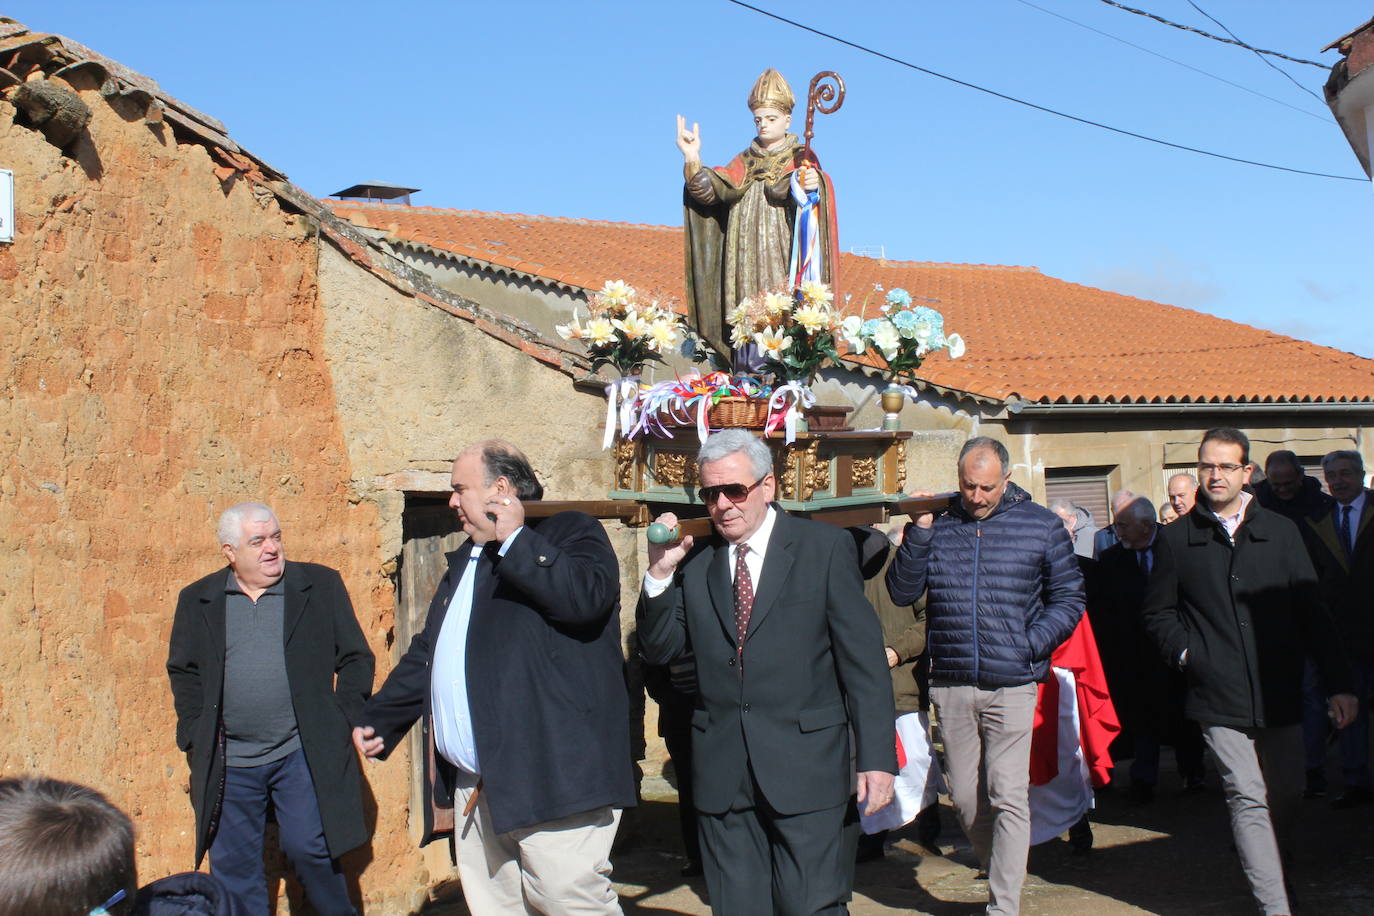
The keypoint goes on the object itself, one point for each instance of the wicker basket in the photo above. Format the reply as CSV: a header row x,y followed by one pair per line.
x,y
738,413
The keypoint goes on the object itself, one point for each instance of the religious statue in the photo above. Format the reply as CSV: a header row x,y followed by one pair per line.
x,y
743,235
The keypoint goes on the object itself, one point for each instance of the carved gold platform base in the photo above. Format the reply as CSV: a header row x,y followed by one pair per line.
x,y
820,472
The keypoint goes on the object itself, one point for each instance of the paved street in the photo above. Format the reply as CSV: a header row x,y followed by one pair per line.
x,y
1171,857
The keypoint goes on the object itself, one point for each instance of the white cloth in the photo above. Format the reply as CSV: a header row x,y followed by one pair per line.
x,y
919,782
1060,803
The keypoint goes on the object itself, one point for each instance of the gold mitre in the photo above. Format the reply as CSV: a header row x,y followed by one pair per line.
x,y
771,91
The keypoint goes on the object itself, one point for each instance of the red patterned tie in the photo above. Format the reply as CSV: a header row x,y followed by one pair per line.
x,y
744,601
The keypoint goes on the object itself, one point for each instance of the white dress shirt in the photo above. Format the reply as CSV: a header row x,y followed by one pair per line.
x,y
448,681
753,560
1356,510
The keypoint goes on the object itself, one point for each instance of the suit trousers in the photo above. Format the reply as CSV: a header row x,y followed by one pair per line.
x,y
1262,774
236,852
987,736
758,861
558,867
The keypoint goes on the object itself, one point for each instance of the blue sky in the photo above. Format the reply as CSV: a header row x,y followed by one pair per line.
x,y
567,109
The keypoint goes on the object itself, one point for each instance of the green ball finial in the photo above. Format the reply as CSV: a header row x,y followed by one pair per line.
x,y
660,533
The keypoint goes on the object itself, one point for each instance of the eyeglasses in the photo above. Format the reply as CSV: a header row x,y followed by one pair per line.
x,y
1227,468
735,492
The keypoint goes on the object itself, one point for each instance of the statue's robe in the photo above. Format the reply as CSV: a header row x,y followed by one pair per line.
x,y
739,222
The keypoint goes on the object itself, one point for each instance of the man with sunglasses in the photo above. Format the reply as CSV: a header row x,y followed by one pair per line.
x,y
1233,603
789,658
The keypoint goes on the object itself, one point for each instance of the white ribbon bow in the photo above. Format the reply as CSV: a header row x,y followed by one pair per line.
x,y
621,396
801,397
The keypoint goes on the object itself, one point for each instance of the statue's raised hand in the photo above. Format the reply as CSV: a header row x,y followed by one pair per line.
x,y
689,141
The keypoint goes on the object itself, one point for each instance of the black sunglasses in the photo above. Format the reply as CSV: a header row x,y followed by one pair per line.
x,y
735,492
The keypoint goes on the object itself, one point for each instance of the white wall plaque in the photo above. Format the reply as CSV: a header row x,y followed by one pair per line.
x,y
6,205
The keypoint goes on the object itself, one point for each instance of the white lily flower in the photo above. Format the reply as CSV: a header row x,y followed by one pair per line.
x,y
662,336
772,342
617,292
599,331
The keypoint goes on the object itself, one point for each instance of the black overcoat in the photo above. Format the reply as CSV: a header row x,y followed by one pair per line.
x,y
545,677
1246,612
322,639
1347,583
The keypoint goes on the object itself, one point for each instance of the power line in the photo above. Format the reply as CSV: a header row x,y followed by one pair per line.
x,y
1264,60
1322,118
1053,111
1228,41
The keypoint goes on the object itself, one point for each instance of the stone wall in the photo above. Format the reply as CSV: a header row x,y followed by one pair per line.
x,y
165,357
178,342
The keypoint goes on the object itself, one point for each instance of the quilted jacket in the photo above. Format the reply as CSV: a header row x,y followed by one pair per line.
x,y
1001,593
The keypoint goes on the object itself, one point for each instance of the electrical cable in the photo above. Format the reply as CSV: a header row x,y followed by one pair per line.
x,y
1324,119
1009,98
1264,60
1227,41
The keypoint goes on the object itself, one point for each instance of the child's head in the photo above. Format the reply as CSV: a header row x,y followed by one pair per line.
x,y
64,850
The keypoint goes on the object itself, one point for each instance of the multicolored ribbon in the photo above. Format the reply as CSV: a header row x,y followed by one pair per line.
x,y
805,262
801,397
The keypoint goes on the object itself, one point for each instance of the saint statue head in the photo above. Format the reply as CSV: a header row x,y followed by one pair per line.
x,y
771,102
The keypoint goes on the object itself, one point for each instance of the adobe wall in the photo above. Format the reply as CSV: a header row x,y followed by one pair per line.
x,y
165,357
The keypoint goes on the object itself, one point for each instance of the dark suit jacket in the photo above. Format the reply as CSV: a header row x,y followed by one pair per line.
x,y
545,677
1347,585
1147,694
1247,613
322,639
813,665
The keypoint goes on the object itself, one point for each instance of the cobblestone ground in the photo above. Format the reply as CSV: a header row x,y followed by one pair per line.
x,y
1172,856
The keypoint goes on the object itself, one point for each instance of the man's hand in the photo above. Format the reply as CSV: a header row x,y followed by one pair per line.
x,y
810,178
508,512
875,788
893,660
924,519
664,558
365,740
1342,708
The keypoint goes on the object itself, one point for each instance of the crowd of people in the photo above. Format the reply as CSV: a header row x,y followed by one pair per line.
x,y
795,715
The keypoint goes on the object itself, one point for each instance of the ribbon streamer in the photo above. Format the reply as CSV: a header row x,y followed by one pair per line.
x,y
621,396
800,396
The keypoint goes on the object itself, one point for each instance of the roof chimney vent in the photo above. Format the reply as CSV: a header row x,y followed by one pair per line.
x,y
377,191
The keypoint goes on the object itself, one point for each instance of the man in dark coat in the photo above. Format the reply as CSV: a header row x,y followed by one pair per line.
x,y
1233,603
255,652
789,658
1288,490
1342,544
1148,695
519,676
1003,590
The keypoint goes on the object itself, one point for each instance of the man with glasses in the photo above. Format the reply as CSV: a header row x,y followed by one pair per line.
x,y
1233,603
789,658
1342,545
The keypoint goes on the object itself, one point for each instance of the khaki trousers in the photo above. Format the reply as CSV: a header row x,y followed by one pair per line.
x,y
557,867
987,735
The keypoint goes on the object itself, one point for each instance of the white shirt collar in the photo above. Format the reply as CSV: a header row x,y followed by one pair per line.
x,y
758,541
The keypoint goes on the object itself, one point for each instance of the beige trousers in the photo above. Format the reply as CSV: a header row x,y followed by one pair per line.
x,y
557,867
987,736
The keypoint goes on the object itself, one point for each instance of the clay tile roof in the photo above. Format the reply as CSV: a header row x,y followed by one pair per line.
x,y
1030,337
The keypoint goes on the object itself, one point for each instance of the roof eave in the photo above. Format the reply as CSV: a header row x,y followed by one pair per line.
x,y
1019,407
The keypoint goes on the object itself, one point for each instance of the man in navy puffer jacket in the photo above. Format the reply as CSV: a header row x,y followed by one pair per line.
x,y
1003,590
